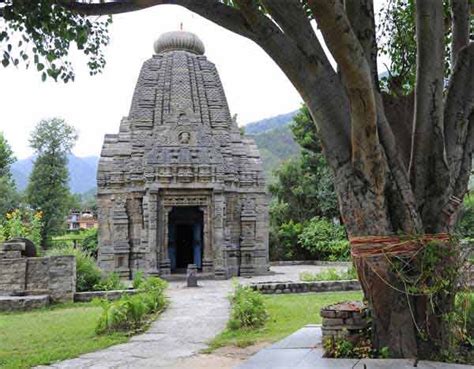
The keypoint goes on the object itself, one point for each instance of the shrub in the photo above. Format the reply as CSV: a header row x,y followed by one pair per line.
x,y
138,280
330,274
465,225
325,239
284,242
90,243
109,282
248,309
131,313
88,274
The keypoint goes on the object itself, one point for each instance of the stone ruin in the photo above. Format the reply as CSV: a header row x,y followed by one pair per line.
x,y
179,184
27,281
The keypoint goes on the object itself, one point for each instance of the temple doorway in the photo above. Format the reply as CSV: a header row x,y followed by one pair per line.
x,y
185,238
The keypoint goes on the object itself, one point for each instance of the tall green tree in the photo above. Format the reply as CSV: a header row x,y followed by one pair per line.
x,y
304,187
388,180
9,197
48,189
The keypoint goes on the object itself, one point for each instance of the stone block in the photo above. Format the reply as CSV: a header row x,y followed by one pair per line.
x,y
333,322
62,278
14,246
12,276
37,276
191,276
11,255
23,303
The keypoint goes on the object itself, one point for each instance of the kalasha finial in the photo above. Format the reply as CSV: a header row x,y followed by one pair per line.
x,y
181,26
179,40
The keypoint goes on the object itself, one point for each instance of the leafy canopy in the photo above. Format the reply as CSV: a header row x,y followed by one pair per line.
x,y
41,33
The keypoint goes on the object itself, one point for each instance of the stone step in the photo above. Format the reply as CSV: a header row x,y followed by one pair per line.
x,y
23,303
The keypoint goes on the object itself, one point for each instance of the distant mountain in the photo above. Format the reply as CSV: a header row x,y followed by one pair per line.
x,y
82,172
267,124
274,140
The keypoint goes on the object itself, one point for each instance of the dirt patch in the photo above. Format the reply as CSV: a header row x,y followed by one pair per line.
x,y
223,358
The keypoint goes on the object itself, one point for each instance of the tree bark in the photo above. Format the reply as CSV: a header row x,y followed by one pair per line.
x,y
428,166
461,11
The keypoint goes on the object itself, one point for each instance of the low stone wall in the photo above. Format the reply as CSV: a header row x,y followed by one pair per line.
x,y
109,295
54,276
310,262
302,287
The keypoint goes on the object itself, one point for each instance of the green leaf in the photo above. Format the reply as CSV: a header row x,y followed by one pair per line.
x,y
40,67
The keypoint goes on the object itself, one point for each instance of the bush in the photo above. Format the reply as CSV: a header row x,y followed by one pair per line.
x,y
248,309
109,282
90,243
138,280
131,313
287,240
325,239
88,273
465,225
330,274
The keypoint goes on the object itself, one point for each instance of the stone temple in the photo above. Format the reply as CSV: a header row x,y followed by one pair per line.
x,y
179,184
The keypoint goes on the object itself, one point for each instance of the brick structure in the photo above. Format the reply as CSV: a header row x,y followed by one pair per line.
x,y
348,320
179,184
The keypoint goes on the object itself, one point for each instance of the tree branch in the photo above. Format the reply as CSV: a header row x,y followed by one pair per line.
x,y
429,173
348,53
461,11
361,16
217,12
294,22
459,130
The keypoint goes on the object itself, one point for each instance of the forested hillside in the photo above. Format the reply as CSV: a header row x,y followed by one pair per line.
x,y
274,140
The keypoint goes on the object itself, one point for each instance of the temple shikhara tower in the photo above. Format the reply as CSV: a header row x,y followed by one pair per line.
x,y
179,184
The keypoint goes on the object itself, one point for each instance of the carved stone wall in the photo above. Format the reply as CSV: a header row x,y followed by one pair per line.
x,y
180,147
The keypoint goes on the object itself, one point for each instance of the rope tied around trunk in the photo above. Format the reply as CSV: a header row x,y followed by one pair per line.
x,y
369,246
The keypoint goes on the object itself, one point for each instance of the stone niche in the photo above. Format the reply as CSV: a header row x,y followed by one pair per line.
x,y
54,276
179,184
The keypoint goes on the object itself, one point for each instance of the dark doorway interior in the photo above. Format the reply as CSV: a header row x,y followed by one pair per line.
x,y
184,242
185,238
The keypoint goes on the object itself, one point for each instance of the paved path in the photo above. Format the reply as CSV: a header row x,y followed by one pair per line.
x,y
194,317
303,350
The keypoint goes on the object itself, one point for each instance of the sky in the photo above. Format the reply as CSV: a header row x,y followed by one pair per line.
x,y
254,85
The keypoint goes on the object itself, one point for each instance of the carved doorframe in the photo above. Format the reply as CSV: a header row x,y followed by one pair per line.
x,y
166,201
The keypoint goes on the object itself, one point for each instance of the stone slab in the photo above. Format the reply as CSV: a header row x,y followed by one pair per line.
x,y
109,295
302,350
23,303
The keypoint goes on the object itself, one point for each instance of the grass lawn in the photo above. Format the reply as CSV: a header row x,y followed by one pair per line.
x,y
287,313
44,336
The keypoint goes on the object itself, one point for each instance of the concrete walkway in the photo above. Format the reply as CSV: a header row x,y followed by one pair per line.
x,y
303,350
194,317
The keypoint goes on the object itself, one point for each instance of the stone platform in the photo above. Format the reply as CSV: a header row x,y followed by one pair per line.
x,y
303,350
23,303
